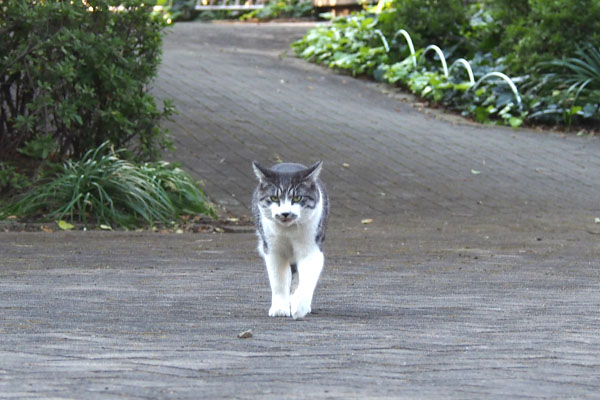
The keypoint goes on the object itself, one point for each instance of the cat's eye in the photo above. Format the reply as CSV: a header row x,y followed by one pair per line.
x,y
274,199
296,199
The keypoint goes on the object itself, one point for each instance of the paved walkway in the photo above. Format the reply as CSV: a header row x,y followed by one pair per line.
x,y
241,98
464,285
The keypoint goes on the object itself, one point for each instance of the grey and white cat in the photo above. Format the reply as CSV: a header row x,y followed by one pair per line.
x,y
290,208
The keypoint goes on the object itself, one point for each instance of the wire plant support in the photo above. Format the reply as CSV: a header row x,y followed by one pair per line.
x,y
383,40
440,54
447,71
411,47
466,65
511,84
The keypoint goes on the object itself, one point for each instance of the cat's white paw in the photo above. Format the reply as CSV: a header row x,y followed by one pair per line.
x,y
300,307
280,310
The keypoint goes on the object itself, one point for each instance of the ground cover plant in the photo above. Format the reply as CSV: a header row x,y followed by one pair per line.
x,y
575,86
349,43
282,9
555,87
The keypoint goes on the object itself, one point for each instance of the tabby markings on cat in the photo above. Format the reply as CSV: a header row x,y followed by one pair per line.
x,y
290,208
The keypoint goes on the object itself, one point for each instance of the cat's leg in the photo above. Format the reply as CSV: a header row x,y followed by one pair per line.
x,y
280,278
309,269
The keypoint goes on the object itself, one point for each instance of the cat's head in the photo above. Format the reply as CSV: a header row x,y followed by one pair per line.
x,y
287,193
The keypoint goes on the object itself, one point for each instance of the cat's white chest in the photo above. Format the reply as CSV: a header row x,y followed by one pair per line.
x,y
290,242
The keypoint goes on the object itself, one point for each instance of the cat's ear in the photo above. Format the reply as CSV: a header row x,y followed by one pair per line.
x,y
262,174
312,172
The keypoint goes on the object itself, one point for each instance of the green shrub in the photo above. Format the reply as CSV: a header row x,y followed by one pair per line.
x,y
176,10
282,9
490,22
533,31
105,189
437,22
11,180
78,72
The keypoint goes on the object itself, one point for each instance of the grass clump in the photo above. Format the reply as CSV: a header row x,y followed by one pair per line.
x,y
103,188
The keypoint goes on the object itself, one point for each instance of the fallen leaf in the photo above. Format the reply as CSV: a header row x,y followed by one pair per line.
x,y
475,172
64,225
105,227
366,221
245,334
233,219
46,229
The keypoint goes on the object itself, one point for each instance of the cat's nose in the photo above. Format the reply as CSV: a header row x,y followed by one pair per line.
x,y
286,216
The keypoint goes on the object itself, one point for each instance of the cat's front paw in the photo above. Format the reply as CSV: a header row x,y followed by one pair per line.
x,y
300,307
280,310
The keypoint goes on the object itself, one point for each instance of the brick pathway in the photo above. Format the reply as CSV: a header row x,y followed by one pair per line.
x,y
241,98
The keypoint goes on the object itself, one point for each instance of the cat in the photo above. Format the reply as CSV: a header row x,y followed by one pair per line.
x,y
290,207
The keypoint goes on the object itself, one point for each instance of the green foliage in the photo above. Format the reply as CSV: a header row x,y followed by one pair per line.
x,y
533,31
39,147
11,180
428,21
106,189
510,36
176,10
348,43
568,88
494,23
78,72
490,103
282,9
581,74
352,44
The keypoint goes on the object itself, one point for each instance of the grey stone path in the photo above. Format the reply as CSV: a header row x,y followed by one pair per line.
x,y
464,285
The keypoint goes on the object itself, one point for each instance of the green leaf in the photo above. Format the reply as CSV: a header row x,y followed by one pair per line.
x,y
574,110
482,114
463,86
515,122
64,225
